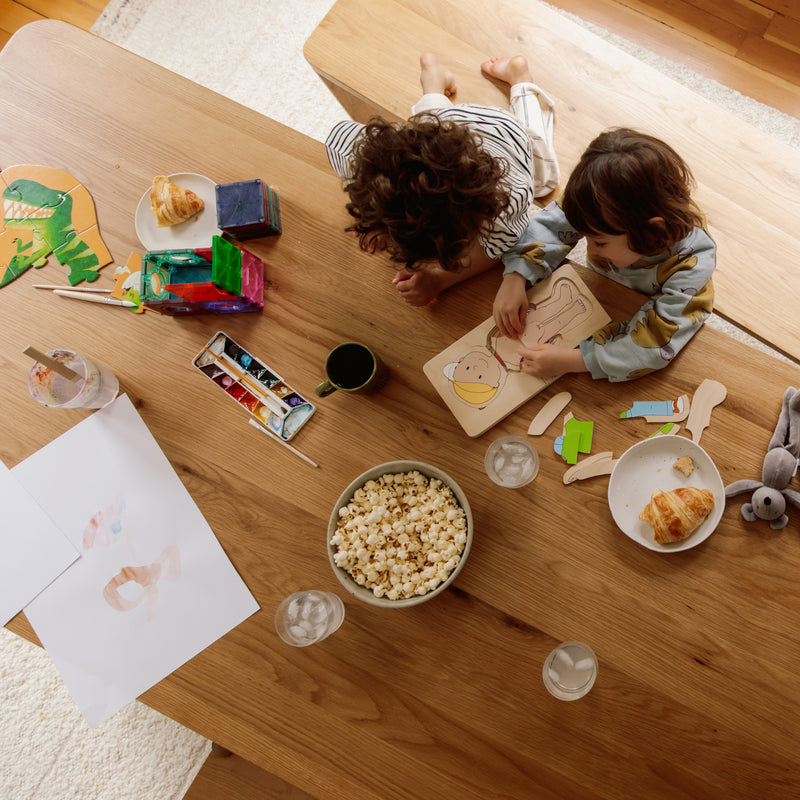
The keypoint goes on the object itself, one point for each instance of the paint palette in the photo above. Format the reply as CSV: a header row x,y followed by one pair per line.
x,y
253,385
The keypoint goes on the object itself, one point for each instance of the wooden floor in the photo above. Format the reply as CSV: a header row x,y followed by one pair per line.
x,y
751,47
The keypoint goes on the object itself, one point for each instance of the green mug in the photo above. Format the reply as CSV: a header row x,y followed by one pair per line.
x,y
352,367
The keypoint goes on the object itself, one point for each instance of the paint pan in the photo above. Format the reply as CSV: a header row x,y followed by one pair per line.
x,y
254,385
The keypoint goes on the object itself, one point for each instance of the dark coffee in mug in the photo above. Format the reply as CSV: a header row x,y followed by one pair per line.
x,y
351,365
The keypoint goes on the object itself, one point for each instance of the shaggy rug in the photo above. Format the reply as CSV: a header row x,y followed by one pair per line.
x,y
48,751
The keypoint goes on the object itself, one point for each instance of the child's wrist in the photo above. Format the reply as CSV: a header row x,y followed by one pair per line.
x,y
514,279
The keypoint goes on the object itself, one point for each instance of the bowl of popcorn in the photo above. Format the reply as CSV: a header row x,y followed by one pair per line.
x,y
399,534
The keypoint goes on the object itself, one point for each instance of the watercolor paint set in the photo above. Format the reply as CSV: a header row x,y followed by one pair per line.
x,y
254,385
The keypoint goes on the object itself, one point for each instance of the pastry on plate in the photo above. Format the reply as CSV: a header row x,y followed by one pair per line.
x,y
171,203
677,514
684,465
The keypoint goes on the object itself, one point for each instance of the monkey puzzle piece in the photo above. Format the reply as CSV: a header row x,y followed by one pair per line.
x,y
47,210
674,410
577,438
591,467
549,411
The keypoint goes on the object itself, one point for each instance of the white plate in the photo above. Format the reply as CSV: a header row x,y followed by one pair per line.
x,y
195,232
646,467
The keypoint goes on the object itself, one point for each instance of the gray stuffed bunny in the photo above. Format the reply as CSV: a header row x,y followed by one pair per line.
x,y
770,494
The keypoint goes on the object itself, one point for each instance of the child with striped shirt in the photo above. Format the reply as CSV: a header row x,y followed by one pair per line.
x,y
449,191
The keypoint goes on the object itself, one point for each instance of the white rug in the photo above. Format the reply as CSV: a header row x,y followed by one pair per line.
x,y
48,752
251,51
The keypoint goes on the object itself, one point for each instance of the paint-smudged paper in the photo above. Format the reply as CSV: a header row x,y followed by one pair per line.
x,y
33,551
153,587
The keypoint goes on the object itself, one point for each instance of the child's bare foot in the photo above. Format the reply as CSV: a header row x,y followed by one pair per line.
x,y
511,70
434,78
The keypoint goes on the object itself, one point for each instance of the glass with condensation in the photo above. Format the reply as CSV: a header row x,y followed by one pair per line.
x,y
304,618
570,670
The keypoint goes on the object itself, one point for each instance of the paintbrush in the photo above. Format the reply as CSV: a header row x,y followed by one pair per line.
x,y
271,400
71,288
281,441
111,301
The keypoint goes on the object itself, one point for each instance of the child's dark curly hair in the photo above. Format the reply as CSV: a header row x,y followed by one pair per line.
x,y
625,178
427,186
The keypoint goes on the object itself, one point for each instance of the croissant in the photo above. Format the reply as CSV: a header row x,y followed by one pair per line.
x,y
674,515
171,204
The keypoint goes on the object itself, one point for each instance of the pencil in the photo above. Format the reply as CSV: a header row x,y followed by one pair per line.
x,y
281,441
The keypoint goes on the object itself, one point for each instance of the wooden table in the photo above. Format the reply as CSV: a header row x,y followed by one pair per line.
x,y
748,182
697,694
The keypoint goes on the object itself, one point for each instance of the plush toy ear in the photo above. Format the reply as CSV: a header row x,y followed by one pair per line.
x,y
792,497
739,487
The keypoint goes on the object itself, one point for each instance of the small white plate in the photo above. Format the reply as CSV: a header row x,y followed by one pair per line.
x,y
195,232
647,467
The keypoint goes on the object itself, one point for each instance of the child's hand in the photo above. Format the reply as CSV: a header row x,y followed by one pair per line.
x,y
374,242
417,288
511,305
550,360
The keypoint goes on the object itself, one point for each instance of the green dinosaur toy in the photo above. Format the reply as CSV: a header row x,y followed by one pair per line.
x,y
40,220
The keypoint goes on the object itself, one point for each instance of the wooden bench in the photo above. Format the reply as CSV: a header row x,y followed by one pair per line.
x,y
748,182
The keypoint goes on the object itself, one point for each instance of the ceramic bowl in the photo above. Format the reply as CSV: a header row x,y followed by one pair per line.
x,y
394,467
646,467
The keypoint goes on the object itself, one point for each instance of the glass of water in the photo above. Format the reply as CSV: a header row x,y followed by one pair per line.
x,y
569,672
511,461
306,617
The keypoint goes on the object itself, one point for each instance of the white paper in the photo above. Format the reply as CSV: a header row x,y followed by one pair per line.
x,y
153,587
33,551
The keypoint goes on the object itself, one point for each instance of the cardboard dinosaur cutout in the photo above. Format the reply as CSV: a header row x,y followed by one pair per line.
x,y
47,210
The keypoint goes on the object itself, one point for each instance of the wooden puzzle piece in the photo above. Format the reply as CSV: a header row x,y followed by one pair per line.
x,y
659,410
472,376
670,429
708,395
598,464
551,409
577,438
545,321
47,210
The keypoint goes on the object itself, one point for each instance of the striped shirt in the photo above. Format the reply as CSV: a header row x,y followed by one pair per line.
x,y
502,137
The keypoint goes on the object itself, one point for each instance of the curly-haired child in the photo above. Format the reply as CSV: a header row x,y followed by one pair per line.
x,y
449,191
630,196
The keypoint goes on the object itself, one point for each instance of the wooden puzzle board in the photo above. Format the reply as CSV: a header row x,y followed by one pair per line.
x,y
478,376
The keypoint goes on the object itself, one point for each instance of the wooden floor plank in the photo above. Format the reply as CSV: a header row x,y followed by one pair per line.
x,y
767,55
80,13
233,778
630,20
785,32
